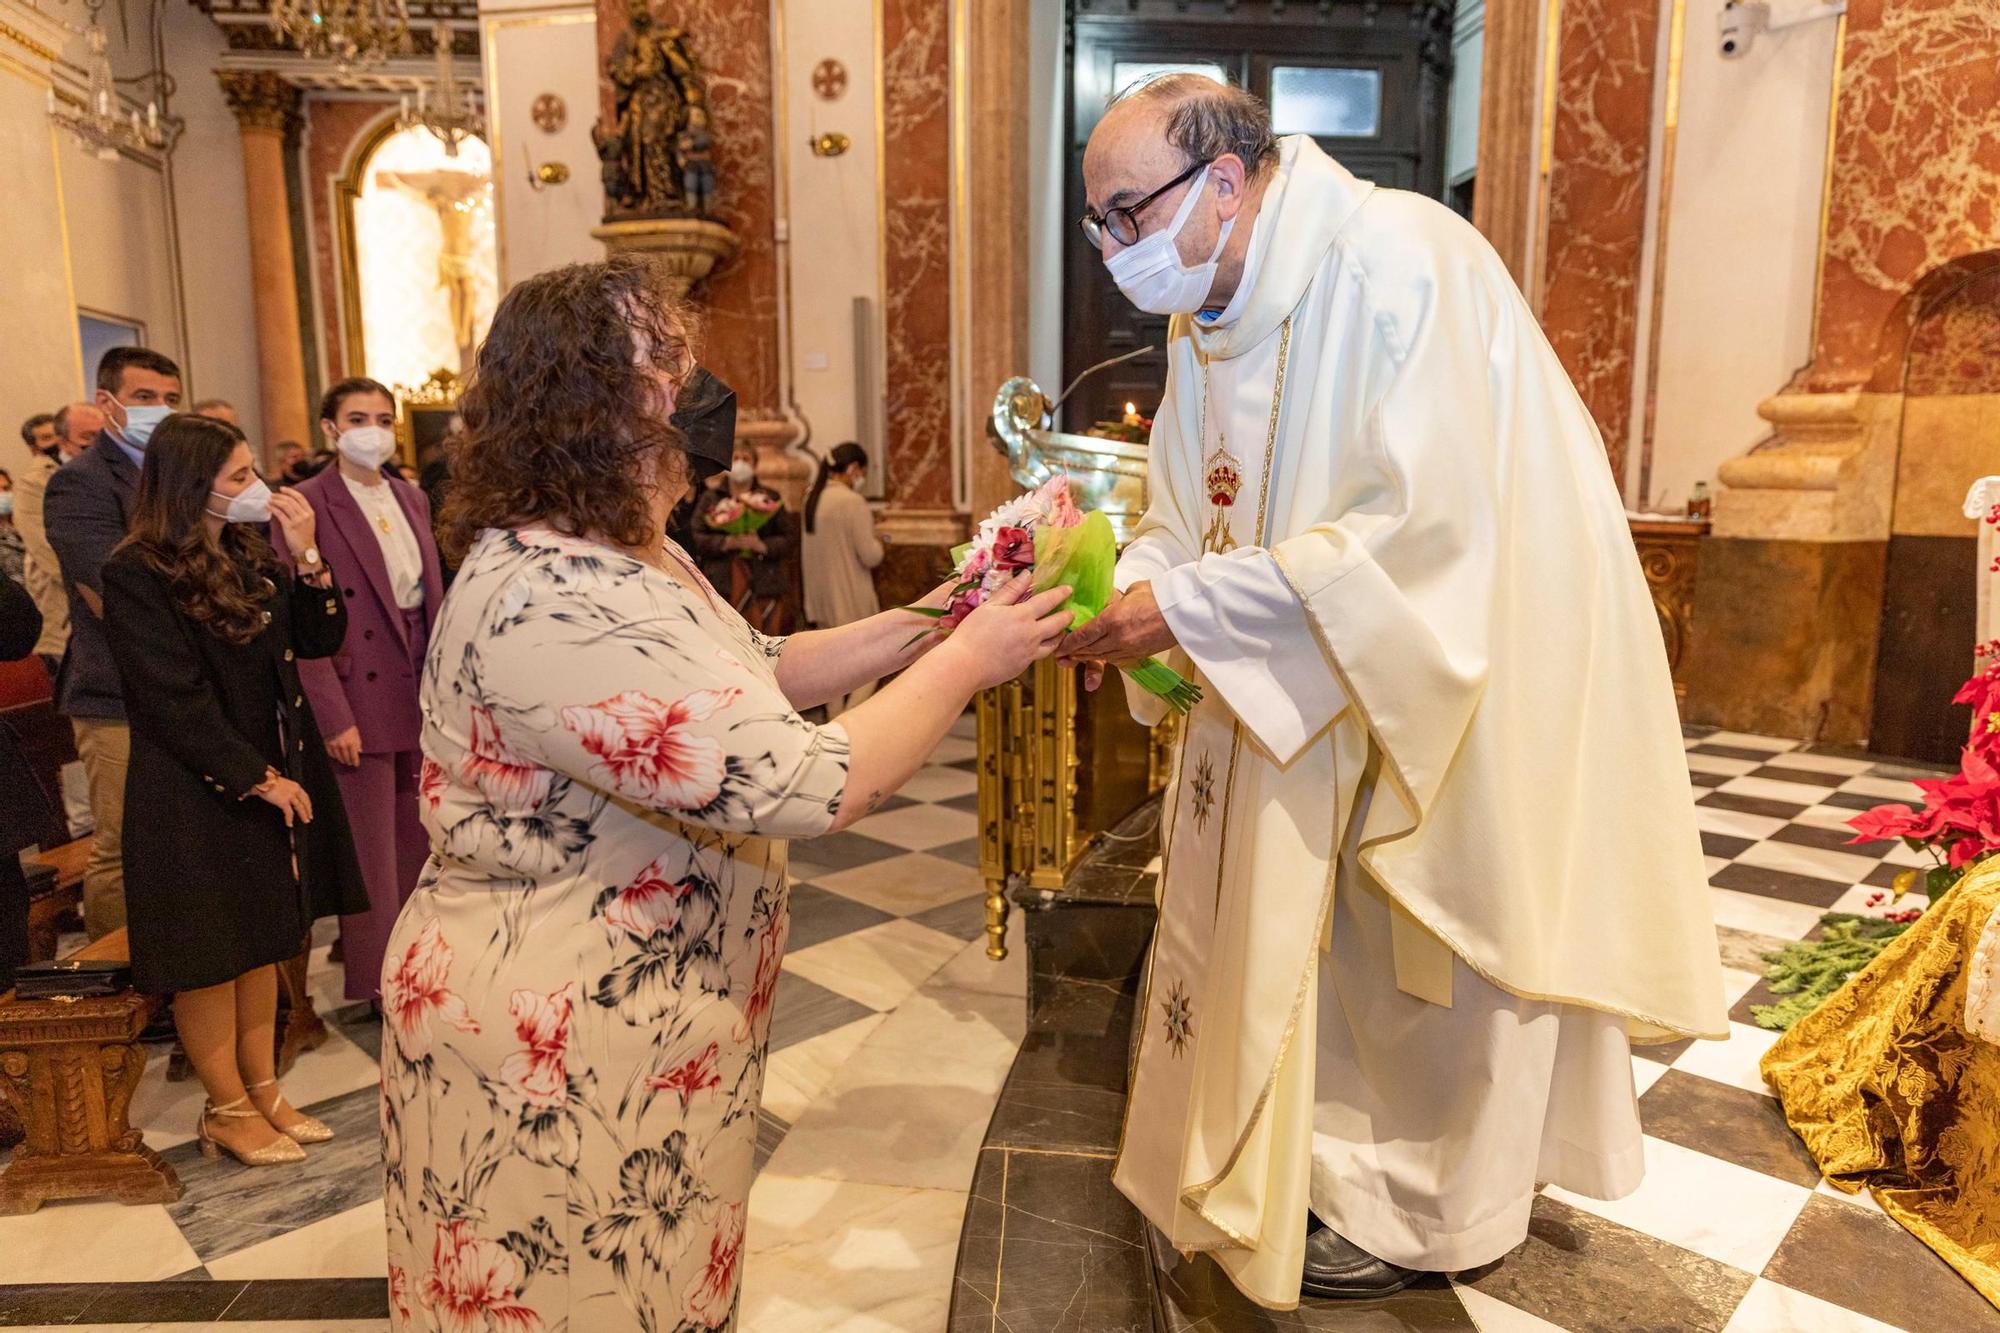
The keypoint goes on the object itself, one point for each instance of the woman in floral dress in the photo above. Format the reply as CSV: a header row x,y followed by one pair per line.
x,y
577,998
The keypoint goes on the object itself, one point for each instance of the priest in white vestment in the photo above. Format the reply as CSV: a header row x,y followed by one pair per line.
x,y
1430,860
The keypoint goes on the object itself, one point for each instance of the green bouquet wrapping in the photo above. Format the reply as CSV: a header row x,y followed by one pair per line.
x,y
1043,531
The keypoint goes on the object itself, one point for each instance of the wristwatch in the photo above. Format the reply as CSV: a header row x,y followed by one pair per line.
x,y
310,557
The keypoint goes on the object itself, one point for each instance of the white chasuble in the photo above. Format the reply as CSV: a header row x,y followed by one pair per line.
x,y
1438,737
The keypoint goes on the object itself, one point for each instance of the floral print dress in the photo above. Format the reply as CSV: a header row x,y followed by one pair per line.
x,y
577,999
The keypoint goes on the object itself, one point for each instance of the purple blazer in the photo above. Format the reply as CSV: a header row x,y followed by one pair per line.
x,y
372,682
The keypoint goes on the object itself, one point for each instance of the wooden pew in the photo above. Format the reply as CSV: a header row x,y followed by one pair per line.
x,y
69,1068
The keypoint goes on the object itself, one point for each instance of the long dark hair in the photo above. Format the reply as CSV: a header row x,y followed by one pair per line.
x,y
564,425
222,583
843,457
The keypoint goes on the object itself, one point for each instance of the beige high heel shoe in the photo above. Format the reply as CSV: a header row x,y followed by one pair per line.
x,y
307,1130
278,1153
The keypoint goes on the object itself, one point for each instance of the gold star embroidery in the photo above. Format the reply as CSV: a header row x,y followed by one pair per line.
x,y
1179,1019
1204,793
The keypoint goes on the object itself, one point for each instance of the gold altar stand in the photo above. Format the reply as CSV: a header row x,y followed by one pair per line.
x,y
1058,765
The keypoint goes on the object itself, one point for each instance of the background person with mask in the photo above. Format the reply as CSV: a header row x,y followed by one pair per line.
x,y
76,428
87,510
841,552
753,571
13,556
376,530
244,842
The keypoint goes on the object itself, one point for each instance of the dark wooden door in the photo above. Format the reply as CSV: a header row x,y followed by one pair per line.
x,y
1367,80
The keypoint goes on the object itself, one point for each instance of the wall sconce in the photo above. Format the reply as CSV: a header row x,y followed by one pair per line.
x,y
831,144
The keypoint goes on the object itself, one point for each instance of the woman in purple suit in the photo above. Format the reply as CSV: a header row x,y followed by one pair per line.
x,y
376,530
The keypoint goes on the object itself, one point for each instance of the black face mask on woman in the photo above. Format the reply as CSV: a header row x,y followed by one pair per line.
x,y
705,413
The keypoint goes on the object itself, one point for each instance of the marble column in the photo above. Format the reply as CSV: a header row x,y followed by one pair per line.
x,y
267,114
991,92
1503,204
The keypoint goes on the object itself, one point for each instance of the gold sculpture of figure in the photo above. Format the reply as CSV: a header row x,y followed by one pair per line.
x,y
659,114
455,196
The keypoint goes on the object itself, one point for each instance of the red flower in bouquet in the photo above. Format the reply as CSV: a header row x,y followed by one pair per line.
x,y
1014,549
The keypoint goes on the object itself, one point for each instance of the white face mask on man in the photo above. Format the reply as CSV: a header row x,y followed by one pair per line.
x,y
367,446
140,421
1151,272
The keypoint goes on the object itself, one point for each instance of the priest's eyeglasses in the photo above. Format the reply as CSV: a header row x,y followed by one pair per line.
x,y
1123,223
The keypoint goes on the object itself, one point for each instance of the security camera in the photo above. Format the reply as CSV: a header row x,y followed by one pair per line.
x,y
1740,22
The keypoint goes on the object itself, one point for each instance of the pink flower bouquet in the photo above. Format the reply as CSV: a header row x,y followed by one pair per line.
x,y
1045,532
740,518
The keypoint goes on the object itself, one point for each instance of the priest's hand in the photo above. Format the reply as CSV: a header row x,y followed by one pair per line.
x,y
1129,630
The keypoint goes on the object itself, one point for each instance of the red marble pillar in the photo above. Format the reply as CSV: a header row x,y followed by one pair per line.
x,y
731,40
1596,219
1915,178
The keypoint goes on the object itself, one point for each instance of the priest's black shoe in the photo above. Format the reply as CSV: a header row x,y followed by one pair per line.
x,y
1338,1269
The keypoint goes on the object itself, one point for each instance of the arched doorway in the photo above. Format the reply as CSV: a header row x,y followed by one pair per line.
x,y
1942,351
423,271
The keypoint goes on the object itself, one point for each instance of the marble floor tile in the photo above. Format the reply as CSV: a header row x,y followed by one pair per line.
x,y
919,828
803,1010
1051,1245
955,750
964,919
879,967
1782,769
1724,1212
1493,1315
1809,890
819,916
94,1241
939,784
1734,1061
1863,1261
970,968
910,1107
1729,1124
1826,826
905,883
1645,1073
166,1111
1579,1270
1734,823
1884,789
229,1207
1745,741
1845,867
1738,982
349,1244
838,851
1846,765
1721,763
1744,950
1860,1198
828,1256
966,727
1771,1308
798,1074
1762,915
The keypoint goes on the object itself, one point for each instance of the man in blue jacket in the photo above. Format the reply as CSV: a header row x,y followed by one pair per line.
x,y
87,510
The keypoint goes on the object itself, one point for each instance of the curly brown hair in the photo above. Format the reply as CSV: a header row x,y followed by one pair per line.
x,y
221,582
565,417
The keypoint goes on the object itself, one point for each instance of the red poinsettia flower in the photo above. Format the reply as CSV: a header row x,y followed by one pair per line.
x,y
539,1075
714,1294
648,750
1884,823
1014,548
414,994
473,1285
492,767
695,1074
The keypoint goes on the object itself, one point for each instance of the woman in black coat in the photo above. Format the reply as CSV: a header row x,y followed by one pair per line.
x,y
24,810
235,840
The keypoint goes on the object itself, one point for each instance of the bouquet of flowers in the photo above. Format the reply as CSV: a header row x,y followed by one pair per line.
x,y
1045,532
740,518
1960,822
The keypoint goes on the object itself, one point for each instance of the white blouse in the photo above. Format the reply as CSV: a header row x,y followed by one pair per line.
x,y
392,533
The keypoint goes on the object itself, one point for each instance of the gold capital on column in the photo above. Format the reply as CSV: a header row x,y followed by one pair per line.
x,y
267,115
261,99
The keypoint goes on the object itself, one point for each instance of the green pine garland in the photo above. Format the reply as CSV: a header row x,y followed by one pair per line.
x,y
1807,971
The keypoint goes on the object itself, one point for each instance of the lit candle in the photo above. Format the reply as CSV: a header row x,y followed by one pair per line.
x,y
103,102
1131,414
153,116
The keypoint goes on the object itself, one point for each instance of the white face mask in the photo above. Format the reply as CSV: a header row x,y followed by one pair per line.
x,y
367,446
252,504
140,421
1151,272
742,473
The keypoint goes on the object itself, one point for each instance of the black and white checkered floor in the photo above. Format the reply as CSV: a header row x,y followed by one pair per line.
x,y
893,1034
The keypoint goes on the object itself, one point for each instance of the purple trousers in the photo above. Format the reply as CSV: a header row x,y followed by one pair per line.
x,y
390,842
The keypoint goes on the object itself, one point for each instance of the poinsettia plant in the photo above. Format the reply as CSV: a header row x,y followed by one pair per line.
x,y
1959,824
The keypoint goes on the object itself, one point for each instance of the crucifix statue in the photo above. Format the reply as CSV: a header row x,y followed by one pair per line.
x,y
454,196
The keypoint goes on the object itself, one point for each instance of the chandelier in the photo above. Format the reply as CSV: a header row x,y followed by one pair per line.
x,y
446,108
352,34
98,124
